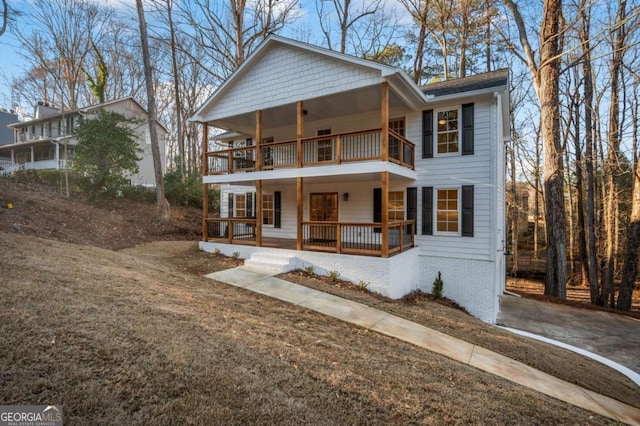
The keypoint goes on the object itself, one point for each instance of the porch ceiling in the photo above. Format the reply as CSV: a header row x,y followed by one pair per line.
x,y
362,100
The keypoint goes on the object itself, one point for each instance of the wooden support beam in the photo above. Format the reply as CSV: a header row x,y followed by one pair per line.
x,y
385,214
205,187
299,200
299,131
384,116
258,140
259,213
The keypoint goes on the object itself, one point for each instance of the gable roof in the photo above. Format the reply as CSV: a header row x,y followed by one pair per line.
x,y
80,111
396,77
487,80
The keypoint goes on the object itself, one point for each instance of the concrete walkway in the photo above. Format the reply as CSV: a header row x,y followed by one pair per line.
x,y
424,337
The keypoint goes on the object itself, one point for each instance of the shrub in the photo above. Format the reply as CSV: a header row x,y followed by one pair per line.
x,y
189,192
334,275
309,270
139,193
438,284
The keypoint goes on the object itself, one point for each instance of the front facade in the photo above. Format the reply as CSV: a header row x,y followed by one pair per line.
x,y
347,166
47,142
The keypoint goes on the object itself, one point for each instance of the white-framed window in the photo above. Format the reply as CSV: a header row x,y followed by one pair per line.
x,y
267,209
325,148
398,125
240,205
447,131
447,211
396,206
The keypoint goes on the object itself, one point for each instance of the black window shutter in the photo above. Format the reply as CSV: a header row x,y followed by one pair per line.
x,y
230,206
467,129
277,223
377,205
427,134
412,206
377,208
427,210
467,210
249,210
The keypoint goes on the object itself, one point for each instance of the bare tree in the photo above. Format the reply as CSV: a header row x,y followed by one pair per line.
x,y
545,76
5,17
227,31
632,253
612,169
347,17
161,201
60,43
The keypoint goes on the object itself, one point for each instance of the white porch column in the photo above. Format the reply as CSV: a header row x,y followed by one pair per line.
x,y
57,156
32,156
13,158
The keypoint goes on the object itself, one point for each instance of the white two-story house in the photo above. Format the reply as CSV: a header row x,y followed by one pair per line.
x,y
345,164
47,141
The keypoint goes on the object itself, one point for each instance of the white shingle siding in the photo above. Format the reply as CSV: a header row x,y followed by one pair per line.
x,y
301,75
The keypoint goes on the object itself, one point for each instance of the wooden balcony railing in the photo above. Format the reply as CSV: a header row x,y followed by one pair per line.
x,y
232,230
319,150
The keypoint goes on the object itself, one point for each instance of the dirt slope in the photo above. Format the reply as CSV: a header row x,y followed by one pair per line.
x,y
44,212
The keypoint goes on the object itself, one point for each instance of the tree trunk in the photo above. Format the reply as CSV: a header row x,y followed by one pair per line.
x,y
176,91
611,165
549,72
590,234
161,201
630,269
582,240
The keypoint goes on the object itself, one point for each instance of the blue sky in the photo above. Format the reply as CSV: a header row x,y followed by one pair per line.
x,y
12,64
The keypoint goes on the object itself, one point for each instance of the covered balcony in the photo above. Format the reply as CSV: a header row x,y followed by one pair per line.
x,y
337,148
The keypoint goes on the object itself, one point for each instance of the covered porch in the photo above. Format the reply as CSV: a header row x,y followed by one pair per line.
x,y
330,163
331,237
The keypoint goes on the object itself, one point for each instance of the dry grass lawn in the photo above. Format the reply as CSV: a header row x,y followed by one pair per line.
x,y
134,337
138,336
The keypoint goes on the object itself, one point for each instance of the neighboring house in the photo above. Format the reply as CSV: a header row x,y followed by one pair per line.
x,y
46,141
345,164
6,135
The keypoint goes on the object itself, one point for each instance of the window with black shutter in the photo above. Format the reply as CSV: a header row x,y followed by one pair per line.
x,y
467,210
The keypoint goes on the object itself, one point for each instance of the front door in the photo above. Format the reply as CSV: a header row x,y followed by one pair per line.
x,y
324,208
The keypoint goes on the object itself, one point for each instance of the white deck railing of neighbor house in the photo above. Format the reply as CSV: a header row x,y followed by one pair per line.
x,y
318,150
35,165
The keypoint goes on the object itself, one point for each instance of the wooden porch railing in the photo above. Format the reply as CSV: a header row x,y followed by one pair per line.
x,y
356,238
232,230
333,237
318,150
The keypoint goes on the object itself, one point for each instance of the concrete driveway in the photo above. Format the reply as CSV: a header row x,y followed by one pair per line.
x,y
616,337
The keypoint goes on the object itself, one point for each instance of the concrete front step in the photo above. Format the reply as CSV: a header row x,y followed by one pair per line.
x,y
271,263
